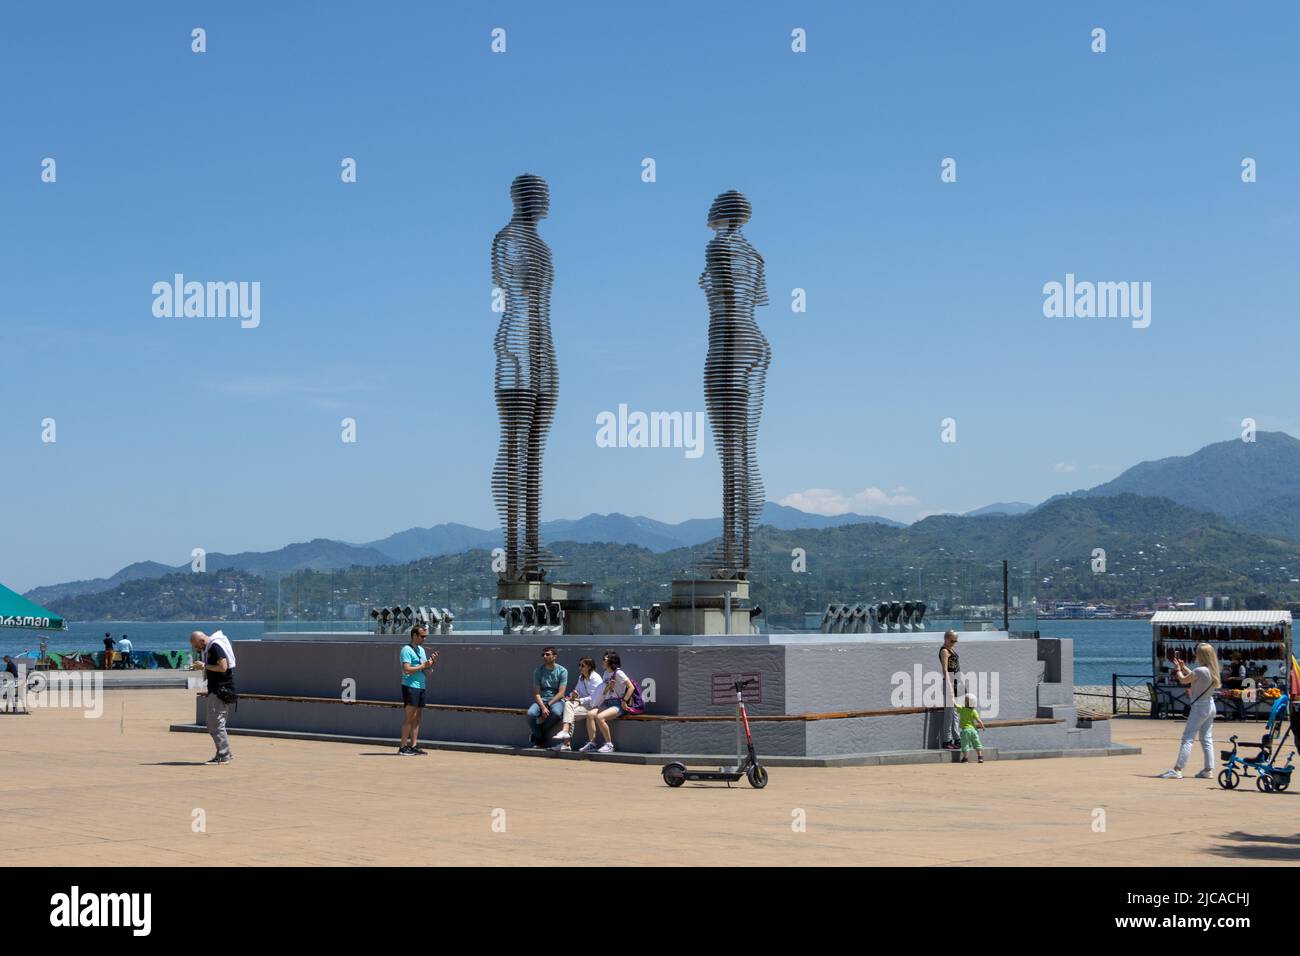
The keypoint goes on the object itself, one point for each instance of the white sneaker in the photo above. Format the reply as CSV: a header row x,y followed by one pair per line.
x,y
588,747
1172,775
1202,774
605,748
562,735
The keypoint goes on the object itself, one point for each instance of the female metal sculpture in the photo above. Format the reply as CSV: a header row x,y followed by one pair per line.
x,y
527,381
734,374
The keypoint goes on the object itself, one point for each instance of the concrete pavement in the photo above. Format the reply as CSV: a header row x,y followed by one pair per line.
x,y
122,790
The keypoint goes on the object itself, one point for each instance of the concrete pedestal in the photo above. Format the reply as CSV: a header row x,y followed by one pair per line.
x,y
820,698
707,606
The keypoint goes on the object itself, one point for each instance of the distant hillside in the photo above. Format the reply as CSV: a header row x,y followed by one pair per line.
x,y
324,554
44,596
178,596
1278,518
1001,508
698,531
787,518
416,543
615,529
321,554
1257,482
1154,548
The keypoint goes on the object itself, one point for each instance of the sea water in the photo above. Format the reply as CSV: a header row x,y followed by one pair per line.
x,y
1102,648
144,635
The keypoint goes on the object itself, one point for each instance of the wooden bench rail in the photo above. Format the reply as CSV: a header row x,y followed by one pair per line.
x,y
673,718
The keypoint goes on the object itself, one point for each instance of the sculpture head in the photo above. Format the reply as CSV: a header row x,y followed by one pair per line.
x,y
531,196
730,210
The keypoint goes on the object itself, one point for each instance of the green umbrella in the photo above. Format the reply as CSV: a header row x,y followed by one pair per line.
x,y
17,611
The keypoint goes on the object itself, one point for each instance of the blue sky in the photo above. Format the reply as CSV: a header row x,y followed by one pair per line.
x,y
924,298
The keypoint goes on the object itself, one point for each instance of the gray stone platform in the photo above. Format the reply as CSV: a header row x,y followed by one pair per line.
x,y
840,698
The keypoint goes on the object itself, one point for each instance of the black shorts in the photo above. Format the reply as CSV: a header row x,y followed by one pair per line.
x,y
412,696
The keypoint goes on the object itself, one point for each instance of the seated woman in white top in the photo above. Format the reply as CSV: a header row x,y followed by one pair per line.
x,y
613,702
587,690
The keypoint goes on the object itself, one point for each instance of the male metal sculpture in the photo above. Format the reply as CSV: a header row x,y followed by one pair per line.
x,y
527,380
734,374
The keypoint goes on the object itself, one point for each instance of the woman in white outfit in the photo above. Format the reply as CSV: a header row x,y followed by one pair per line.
x,y
1204,681
587,691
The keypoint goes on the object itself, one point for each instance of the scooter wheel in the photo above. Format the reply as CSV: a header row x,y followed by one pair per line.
x,y
1280,784
757,777
1228,779
1264,783
674,774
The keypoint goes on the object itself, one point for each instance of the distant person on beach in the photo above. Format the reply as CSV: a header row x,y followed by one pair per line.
x,y
108,652
550,681
216,655
579,700
971,725
11,692
1203,680
950,667
124,645
415,664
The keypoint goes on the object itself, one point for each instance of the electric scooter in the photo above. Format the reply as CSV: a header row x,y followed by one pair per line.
x,y
675,774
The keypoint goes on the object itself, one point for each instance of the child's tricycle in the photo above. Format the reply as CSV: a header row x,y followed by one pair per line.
x,y
1269,778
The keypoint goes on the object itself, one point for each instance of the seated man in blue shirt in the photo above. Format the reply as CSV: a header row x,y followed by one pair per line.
x,y
550,681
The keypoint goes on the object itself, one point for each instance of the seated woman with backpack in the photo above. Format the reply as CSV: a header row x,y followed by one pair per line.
x,y
618,695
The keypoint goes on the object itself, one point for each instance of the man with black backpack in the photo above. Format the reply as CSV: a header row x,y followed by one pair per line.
x,y
217,657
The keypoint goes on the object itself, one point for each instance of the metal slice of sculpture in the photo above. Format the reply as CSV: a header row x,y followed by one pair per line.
x,y
734,375
527,380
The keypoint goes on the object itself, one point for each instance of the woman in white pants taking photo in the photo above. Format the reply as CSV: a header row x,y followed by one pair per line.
x,y
1204,681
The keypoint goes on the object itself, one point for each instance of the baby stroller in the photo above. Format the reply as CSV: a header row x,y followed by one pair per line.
x,y
1269,778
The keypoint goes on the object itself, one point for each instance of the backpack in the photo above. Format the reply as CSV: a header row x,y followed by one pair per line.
x,y
637,704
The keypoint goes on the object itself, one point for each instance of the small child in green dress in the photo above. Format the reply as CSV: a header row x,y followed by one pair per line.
x,y
968,719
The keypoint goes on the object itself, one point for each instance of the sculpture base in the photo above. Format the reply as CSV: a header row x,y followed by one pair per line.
x,y
700,606
824,697
543,591
582,615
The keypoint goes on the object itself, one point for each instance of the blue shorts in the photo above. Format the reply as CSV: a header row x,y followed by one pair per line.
x,y
413,696
607,704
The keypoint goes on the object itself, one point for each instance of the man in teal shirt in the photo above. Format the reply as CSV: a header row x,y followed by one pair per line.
x,y
550,681
415,663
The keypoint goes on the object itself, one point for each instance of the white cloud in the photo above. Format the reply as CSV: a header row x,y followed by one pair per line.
x,y
824,501
1064,468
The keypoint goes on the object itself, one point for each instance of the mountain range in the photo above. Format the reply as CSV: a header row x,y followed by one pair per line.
x,y
1246,487
1153,546
1254,484
325,554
